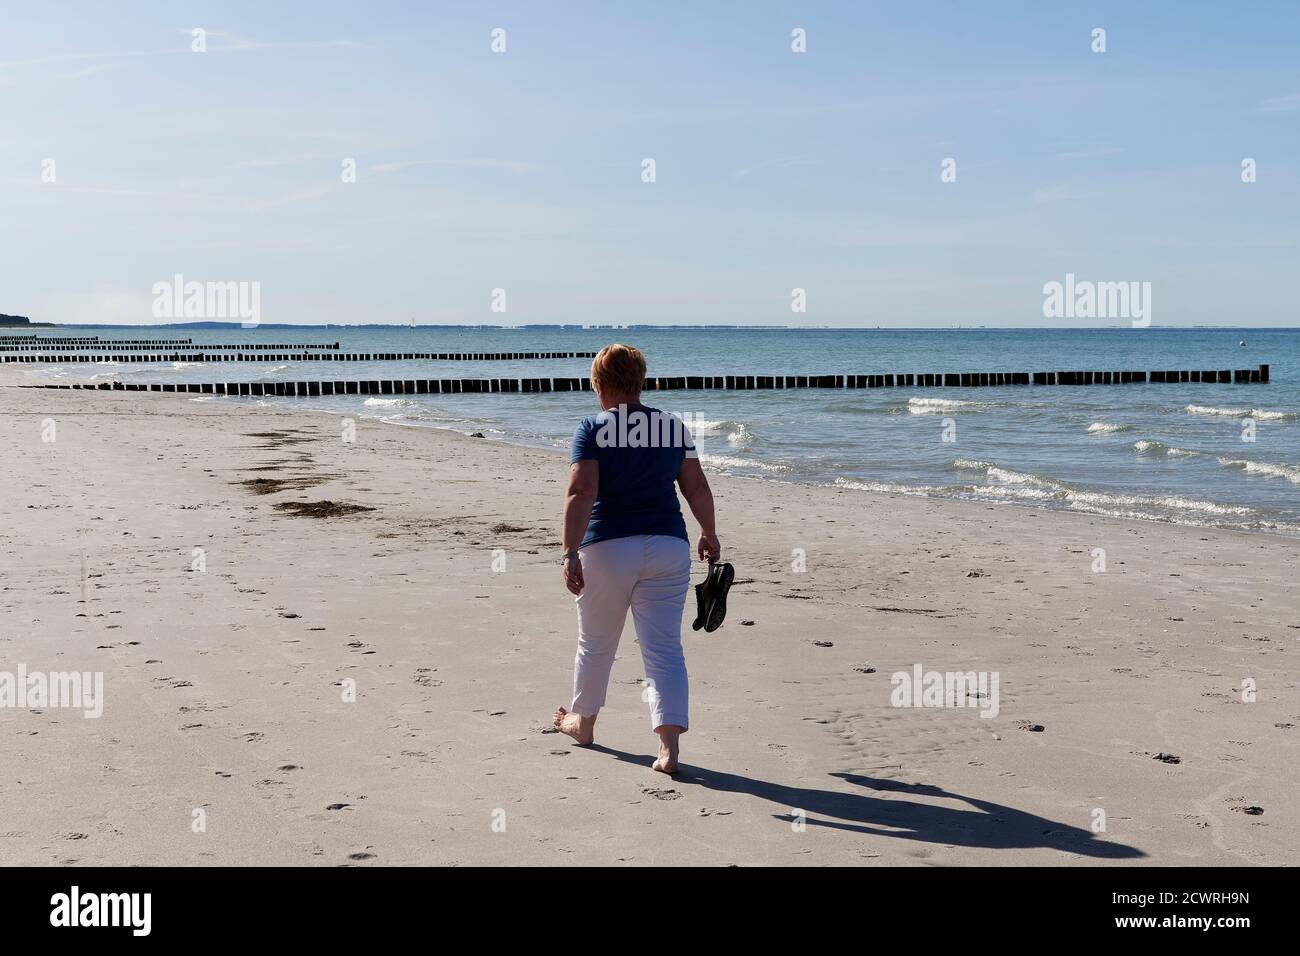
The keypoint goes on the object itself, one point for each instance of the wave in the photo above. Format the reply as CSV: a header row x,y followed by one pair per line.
x,y
1290,472
1026,485
1153,447
703,426
742,437
940,406
387,402
185,364
1260,414
1039,490
1106,428
738,434
730,461
886,486
860,408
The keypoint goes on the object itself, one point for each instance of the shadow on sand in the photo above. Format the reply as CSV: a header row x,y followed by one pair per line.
x,y
979,824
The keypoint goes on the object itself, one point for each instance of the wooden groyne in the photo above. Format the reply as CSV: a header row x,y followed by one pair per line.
x,y
71,358
460,386
83,341
121,345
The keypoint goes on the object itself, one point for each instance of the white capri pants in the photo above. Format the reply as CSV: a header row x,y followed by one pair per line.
x,y
649,573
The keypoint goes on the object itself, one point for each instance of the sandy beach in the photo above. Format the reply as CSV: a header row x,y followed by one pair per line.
x,y
171,544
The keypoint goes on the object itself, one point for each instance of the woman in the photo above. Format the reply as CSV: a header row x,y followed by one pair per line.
x,y
625,547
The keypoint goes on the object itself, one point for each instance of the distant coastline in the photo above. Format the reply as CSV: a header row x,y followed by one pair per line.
x,y
560,327
22,322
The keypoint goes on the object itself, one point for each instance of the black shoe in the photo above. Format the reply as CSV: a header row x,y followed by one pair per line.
x,y
722,575
711,597
701,604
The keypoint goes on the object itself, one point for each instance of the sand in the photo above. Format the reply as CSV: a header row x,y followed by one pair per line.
x,y
227,735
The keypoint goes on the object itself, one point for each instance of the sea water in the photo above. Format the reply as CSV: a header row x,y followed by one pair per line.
x,y
1199,454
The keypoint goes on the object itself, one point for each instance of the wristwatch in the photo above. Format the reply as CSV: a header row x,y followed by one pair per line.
x,y
567,555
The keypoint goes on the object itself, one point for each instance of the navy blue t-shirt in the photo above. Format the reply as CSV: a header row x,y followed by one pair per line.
x,y
640,452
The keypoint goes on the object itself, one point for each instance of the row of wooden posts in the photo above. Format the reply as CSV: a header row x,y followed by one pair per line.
x,y
138,347
296,357
81,341
665,383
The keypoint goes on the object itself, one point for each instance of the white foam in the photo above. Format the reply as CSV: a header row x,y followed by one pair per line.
x,y
884,486
1264,415
1151,446
1105,428
702,426
730,461
940,406
1023,485
742,437
1290,472
1260,414
387,402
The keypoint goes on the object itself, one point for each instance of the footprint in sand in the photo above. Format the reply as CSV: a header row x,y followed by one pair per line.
x,y
661,794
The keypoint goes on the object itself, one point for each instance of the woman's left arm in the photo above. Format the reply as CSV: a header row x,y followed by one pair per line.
x,y
584,481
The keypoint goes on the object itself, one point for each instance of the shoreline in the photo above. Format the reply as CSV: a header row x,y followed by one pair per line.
x,y
222,685
1037,490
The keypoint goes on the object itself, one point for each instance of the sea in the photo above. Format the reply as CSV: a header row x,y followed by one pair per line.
x,y
1213,455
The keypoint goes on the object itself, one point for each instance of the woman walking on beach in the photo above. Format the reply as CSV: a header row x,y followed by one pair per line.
x,y
626,548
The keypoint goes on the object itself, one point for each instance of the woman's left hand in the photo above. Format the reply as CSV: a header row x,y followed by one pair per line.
x,y
573,574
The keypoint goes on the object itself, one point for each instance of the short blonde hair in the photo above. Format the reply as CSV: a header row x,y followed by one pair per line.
x,y
618,370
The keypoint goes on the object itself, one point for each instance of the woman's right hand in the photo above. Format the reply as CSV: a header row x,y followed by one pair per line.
x,y
709,548
573,575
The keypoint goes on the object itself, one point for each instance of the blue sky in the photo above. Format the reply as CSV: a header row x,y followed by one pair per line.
x,y
775,170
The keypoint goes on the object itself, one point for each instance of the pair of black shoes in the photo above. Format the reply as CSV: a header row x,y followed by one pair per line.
x,y
711,597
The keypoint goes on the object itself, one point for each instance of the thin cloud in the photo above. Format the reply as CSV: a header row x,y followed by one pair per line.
x,y
772,164
1280,104
1057,192
1093,152
283,161
233,42
505,165
89,71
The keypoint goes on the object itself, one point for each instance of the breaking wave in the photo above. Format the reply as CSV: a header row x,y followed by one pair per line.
x,y
1152,447
1260,414
940,406
1290,472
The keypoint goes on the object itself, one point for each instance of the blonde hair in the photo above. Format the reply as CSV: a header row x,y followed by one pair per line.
x,y
618,370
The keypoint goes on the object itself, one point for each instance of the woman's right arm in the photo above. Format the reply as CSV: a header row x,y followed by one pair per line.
x,y
698,495
584,482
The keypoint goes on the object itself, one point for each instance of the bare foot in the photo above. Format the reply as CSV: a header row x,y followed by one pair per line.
x,y
667,761
582,729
